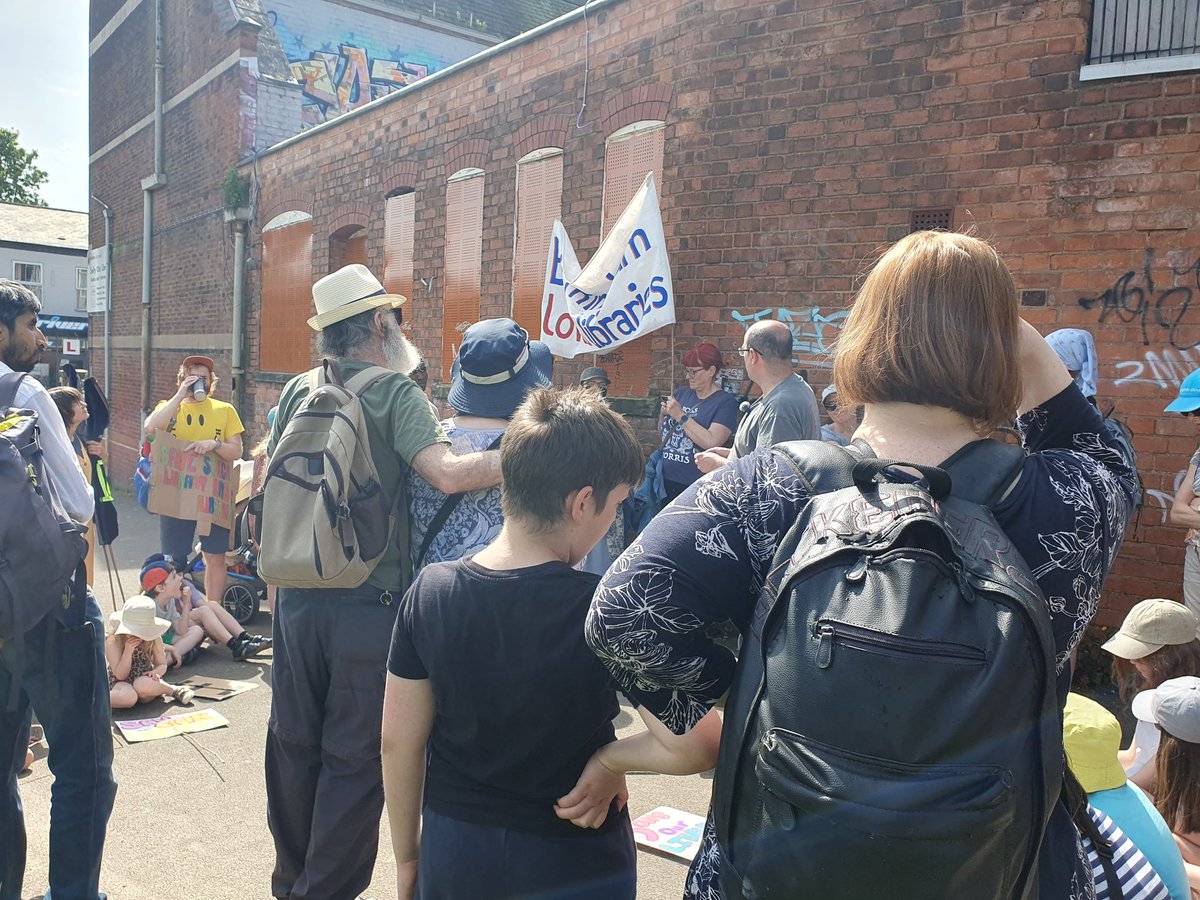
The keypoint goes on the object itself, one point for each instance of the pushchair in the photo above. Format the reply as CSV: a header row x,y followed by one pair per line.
x,y
244,590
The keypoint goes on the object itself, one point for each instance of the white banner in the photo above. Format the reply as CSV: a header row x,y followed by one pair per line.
x,y
624,292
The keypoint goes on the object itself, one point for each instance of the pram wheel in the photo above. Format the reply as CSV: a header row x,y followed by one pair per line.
x,y
241,602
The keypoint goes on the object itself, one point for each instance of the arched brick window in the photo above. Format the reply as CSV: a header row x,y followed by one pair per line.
x,y
285,340
463,266
539,203
399,218
347,246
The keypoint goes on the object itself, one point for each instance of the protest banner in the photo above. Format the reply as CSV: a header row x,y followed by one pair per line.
x,y
206,687
197,486
670,831
137,731
625,290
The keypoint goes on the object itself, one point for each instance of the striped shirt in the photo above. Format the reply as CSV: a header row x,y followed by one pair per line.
x,y
1138,880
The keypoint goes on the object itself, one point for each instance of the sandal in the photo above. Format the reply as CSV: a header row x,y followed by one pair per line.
x,y
182,695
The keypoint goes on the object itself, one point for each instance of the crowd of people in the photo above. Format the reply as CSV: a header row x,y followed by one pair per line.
x,y
522,563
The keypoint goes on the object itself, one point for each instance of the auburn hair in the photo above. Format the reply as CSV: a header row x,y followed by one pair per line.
x,y
1171,661
935,323
1177,790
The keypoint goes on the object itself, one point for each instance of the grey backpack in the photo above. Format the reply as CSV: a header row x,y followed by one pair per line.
x,y
892,729
326,522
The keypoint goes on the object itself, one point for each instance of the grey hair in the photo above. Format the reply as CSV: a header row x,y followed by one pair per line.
x,y
15,301
345,337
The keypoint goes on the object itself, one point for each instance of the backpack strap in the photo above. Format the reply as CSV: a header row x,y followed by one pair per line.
x,y
10,383
366,379
443,514
985,472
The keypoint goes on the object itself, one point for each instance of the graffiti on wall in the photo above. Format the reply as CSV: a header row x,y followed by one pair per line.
x,y
812,331
1160,312
338,81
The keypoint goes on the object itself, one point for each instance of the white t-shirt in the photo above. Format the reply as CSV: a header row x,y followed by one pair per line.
x,y
1145,739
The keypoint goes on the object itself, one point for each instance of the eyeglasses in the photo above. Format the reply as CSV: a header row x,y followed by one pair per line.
x,y
744,350
692,373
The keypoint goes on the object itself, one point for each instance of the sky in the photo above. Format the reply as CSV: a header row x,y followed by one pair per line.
x,y
44,94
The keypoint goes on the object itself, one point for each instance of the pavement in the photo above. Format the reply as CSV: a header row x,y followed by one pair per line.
x,y
191,813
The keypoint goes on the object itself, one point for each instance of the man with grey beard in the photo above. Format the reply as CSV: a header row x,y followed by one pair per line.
x,y
324,783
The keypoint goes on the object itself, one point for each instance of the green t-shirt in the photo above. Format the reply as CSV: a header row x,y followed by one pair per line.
x,y
400,424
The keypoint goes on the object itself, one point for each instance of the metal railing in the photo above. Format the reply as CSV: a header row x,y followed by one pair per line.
x,y
1124,30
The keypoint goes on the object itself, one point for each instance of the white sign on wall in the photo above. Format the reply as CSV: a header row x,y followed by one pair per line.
x,y
97,296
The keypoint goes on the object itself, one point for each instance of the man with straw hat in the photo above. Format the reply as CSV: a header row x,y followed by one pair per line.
x,y
324,783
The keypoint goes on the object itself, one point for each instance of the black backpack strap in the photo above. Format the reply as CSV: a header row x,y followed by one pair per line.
x,y
10,383
822,466
443,514
985,472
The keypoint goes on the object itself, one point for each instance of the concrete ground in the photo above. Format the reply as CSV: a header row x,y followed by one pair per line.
x,y
190,818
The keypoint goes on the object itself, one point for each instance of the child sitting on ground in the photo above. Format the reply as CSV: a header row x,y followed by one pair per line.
x,y
191,617
490,678
136,658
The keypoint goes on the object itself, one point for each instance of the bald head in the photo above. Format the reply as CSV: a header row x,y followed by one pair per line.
x,y
773,341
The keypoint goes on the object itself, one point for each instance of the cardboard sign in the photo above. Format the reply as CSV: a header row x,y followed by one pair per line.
x,y
670,831
197,486
138,730
624,292
206,688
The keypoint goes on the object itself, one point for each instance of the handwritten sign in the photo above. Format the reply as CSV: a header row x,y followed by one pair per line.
x,y
670,831
138,730
201,487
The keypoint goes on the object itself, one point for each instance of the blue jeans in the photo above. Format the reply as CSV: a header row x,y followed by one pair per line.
x,y
65,682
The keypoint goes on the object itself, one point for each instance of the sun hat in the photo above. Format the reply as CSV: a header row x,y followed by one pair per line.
x,y
496,365
1189,395
830,391
594,373
205,361
138,617
347,292
1092,737
1174,705
1152,625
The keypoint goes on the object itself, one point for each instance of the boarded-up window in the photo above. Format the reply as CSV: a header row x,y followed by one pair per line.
x,y
398,220
285,340
464,250
628,155
539,203
348,246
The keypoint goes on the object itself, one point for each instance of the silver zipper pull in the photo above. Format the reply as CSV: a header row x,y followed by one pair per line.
x,y
825,648
859,571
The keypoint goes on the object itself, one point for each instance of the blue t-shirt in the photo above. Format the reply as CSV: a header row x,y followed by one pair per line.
x,y
678,451
1135,815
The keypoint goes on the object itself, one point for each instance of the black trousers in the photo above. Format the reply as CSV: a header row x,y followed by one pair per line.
x,y
324,781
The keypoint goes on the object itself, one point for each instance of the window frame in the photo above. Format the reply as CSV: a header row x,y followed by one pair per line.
x,y
35,286
81,293
1106,17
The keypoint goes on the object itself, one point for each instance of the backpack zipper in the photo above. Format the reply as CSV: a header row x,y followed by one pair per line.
x,y
828,632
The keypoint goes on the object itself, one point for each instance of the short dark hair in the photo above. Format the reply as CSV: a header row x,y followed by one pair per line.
x,y
344,337
15,301
772,340
558,442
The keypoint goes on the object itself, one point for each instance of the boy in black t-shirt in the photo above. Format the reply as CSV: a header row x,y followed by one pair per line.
x,y
491,682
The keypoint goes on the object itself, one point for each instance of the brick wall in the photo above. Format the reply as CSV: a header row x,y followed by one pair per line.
x,y
800,138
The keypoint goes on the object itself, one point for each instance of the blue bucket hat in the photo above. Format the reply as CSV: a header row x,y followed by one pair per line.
x,y
496,365
1189,395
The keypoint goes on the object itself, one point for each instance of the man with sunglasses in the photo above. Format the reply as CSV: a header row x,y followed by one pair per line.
x,y
787,409
843,420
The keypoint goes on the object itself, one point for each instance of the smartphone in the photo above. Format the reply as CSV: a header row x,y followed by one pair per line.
x,y
664,398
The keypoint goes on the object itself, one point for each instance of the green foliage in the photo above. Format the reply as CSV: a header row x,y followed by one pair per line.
x,y
19,177
1093,666
235,190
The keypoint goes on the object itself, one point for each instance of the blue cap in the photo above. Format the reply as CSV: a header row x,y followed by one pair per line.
x,y
1189,395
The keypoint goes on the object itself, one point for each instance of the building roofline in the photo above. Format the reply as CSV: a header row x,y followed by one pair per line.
x,y
589,7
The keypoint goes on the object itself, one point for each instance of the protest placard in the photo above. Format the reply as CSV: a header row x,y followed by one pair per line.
x,y
197,486
138,730
208,688
671,831
624,292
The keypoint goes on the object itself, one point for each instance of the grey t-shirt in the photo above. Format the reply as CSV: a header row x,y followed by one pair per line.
x,y
788,413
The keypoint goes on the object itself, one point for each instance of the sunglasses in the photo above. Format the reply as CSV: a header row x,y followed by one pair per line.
x,y
830,406
398,315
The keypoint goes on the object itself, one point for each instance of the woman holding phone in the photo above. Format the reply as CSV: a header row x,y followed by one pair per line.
x,y
697,417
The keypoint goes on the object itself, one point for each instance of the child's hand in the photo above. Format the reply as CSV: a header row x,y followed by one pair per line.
x,y
132,642
153,676
588,803
1195,504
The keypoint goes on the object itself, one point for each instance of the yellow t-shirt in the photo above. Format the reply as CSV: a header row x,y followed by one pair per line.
x,y
205,421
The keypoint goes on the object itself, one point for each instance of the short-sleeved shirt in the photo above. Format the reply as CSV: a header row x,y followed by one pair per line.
x,y
207,420
678,450
788,413
400,425
1132,812
828,434
521,702
477,518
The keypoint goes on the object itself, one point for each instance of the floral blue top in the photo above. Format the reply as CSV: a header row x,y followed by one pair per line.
x,y
704,558
476,520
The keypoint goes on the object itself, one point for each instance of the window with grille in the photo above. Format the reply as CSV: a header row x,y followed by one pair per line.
x,y
30,275
629,154
81,288
463,266
285,340
399,217
539,203
1139,37
941,219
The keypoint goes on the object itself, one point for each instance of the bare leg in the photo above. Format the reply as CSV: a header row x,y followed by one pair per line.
x,y
123,696
225,617
189,639
207,617
214,576
148,689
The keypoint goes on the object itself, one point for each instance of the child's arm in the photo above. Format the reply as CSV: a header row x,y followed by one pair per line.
x,y
119,661
408,710
657,749
158,656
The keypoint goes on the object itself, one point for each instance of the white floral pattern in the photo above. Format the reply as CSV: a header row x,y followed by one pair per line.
x,y
704,558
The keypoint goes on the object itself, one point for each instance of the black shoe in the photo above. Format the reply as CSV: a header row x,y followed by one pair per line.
x,y
249,646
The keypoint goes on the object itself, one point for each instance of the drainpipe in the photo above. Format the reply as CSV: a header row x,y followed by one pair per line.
x,y
239,218
149,186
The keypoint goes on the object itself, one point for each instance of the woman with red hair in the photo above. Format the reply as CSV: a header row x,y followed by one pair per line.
x,y
697,417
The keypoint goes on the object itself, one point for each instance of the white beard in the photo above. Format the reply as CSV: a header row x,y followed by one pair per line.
x,y
398,352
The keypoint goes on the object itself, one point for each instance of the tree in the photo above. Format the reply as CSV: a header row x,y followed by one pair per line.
x,y
19,177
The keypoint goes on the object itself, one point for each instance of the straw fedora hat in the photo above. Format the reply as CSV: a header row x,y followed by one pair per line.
x,y
138,617
347,292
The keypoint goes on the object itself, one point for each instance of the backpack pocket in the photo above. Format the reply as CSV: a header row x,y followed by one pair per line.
x,y
831,634
369,515
900,830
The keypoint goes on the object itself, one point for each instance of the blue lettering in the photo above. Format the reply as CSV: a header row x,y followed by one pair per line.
x,y
657,288
556,270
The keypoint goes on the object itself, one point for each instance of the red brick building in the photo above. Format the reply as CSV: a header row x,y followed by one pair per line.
x,y
791,141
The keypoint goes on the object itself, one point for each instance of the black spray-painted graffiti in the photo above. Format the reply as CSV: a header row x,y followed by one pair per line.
x,y
1134,297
